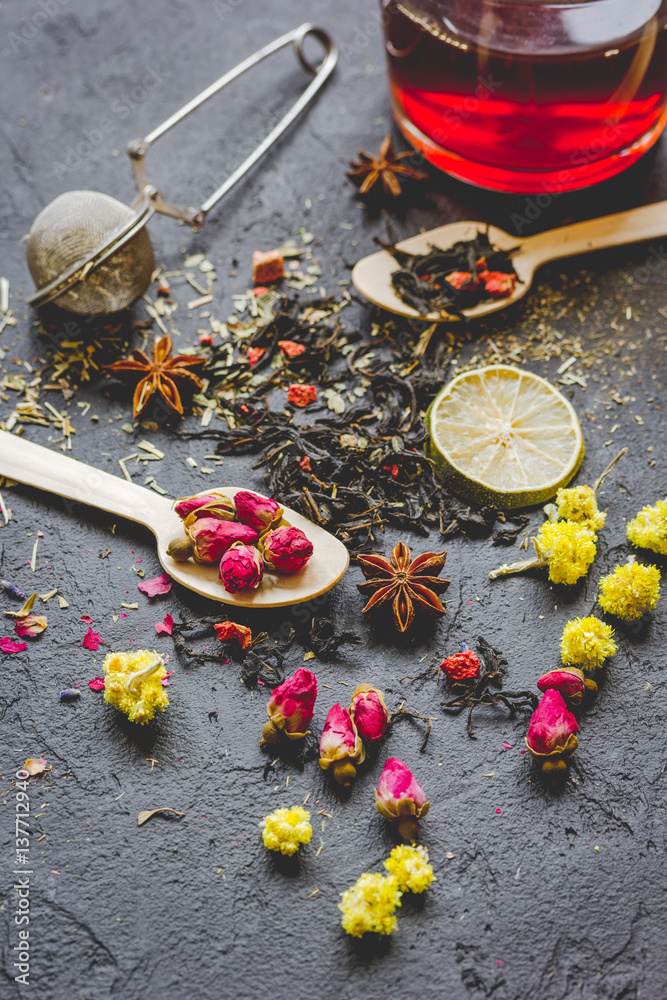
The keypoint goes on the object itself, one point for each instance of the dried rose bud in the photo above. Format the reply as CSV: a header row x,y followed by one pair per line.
x,y
286,550
180,548
223,509
568,681
290,708
241,568
256,511
212,537
369,713
400,797
551,733
461,667
186,505
340,746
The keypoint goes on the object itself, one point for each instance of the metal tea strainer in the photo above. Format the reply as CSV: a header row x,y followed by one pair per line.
x,y
91,254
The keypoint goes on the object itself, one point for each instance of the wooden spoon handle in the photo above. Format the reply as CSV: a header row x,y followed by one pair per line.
x,y
47,470
645,223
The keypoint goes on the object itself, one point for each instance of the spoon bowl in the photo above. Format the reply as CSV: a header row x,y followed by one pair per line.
x,y
46,470
372,275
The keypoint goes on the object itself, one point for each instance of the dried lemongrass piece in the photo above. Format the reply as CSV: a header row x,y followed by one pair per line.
x,y
144,816
150,448
6,513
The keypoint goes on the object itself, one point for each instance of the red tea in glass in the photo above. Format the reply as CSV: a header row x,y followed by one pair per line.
x,y
526,96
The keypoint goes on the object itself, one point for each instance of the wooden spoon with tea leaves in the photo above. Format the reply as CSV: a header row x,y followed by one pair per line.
x,y
47,470
372,275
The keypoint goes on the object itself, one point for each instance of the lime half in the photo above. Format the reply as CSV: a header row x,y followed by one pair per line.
x,y
505,437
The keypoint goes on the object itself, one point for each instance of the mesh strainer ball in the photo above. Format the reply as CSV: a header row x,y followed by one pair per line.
x,y
91,254
69,231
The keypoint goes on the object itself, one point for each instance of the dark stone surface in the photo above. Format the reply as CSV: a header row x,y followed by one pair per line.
x,y
560,895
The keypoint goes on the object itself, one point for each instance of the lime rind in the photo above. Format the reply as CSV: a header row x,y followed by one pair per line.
x,y
510,427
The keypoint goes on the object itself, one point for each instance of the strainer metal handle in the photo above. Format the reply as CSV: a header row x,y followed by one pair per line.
x,y
92,255
138,148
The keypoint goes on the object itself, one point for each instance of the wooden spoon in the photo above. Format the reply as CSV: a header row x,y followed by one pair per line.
x,y
372,275
47,470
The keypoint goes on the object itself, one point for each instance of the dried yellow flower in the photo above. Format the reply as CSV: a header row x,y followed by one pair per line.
x,y
569,549
630,591
133,683
286,829
369,905
648,530
410,867
578,504
587,642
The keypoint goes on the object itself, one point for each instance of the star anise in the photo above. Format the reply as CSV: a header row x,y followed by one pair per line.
x,y
159,376
408,583
385,167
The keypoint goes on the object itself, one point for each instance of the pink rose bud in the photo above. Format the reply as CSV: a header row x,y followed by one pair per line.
x,y
290,707
550,736
241,567
340,746
369,712
400,797
462,667
212,537
286,549
256,511
568,681
188,505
